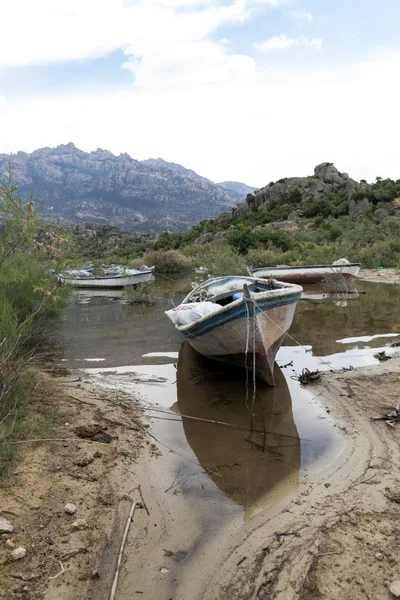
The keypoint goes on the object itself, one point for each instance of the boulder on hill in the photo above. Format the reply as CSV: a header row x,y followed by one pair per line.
x,y
300,190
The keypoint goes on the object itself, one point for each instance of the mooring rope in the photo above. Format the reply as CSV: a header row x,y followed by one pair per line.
x,y
245,356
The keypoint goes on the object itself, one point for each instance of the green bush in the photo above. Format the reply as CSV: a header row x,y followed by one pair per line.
x,y
138,294
30,309
221,259
168,261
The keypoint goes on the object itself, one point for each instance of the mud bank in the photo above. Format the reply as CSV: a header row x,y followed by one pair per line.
x,y
333,535
380,276
72,557
338,536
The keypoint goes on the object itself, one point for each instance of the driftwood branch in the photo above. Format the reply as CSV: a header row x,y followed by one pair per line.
x,y
121,550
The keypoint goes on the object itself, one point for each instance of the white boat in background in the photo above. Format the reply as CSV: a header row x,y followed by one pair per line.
x,y
121,270
308,274
108,281
238,320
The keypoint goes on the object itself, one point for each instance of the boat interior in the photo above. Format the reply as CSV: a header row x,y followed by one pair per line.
x,y
226,292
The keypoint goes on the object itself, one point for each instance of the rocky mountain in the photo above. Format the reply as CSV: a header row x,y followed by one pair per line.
x,y
301,192
71,185
239,189
164,164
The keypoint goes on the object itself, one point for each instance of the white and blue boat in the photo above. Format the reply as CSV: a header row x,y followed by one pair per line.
x,y
85,279
238,320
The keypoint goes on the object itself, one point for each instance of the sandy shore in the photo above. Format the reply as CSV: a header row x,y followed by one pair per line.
x,y
334,536
380,276
98,478
338,537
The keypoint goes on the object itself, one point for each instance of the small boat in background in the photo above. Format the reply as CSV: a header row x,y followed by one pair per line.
x,y
122,270
308,274
113,281
88,268
238,320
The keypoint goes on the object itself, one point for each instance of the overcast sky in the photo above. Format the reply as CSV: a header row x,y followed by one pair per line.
x,y
245,90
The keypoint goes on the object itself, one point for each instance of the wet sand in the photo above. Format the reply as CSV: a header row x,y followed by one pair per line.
x,y
98,478
380,276
334,534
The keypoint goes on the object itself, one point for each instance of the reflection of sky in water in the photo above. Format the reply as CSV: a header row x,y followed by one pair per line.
x,y
366,338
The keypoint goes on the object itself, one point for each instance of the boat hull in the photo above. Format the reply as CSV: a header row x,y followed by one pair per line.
x,y
303,275
107,282
249,335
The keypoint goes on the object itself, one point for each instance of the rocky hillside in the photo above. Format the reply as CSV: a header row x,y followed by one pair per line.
x,y
98,187
328,209
239,189
302,192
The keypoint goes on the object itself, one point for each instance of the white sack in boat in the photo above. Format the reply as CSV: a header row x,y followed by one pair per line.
x,y
341,261
189,313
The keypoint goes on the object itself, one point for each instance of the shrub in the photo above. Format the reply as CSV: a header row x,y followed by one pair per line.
x,y
168,261
221,259
29,309
138,294
242,238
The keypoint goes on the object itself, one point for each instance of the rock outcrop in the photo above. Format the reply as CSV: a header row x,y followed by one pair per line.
x,y
300,190
76,186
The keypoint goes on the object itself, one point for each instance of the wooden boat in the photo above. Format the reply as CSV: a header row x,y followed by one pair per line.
x,y
110,281
236,329
305,274
241,460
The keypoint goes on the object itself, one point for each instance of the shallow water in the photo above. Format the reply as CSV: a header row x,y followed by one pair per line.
x,y
136,349
211,478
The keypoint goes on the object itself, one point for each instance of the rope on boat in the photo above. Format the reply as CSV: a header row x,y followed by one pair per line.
x,y
165,277
248,299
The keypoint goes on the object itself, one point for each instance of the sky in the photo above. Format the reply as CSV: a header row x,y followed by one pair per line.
x,y
243,90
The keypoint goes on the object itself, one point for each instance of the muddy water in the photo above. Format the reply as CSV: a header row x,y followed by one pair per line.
x,y
213,478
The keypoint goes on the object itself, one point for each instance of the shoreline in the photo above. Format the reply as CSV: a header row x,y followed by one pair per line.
x,y
98,478
306,544
380,276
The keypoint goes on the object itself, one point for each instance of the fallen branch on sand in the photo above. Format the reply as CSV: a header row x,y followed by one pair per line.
x,y
307,376
363,481
121,550
63,570
392,418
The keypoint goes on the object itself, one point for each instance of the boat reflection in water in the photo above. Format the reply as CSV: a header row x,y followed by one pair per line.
x,y
255,464
319,295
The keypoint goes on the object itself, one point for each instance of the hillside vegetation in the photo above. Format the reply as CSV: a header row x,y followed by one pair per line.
x,y
298,220
30,312
315,219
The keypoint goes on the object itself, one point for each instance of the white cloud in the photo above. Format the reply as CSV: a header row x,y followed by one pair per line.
x,y
302,16
281,42
194,100
50,31
281,122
